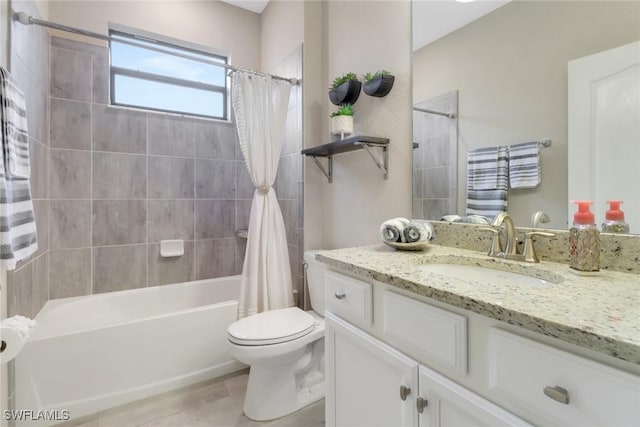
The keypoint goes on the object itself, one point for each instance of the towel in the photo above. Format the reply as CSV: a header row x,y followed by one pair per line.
x,y
392,230
482,168
490,202
524,165
17,221
418,231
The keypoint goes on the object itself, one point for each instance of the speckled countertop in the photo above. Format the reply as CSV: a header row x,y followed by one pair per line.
x,y
601,313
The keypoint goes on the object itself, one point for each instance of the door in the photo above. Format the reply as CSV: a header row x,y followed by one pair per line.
x,y
446,404
368,383
604,131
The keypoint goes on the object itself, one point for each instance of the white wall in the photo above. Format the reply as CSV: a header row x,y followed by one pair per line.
x,y
210,23
282,30
360,37
510,68
4,33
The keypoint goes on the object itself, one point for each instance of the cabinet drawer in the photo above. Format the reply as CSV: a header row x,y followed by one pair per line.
x,y
349,298
520,370
425,332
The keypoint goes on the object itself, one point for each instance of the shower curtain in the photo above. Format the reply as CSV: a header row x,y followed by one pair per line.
x,y
260,106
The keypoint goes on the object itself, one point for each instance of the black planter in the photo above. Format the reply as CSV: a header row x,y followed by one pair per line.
x,y
347,93
380,86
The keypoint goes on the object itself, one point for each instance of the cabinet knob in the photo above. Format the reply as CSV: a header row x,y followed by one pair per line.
x,y
557,393
421,404
340,295
404,392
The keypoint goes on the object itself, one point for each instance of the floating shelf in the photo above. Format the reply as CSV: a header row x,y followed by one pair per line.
x,y
346,145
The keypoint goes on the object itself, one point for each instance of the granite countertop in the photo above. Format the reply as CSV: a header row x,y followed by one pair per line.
x,y
601,312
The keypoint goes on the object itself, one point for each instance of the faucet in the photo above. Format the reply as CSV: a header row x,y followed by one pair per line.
x,y
539,218
510,247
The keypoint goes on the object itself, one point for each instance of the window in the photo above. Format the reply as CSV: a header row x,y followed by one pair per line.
x,y
166,76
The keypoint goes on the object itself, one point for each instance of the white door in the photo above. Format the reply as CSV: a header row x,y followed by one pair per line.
x,y
604,131
446,404
364,380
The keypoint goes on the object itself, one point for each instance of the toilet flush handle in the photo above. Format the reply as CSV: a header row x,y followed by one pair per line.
x,y
340,295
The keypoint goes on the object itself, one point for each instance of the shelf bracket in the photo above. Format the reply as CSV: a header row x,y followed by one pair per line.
x,y
328,174
383,163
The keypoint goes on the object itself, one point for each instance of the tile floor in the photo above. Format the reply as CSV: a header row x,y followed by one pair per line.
x,y
215,403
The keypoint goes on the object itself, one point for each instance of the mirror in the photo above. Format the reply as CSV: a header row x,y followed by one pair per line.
x,y
502,68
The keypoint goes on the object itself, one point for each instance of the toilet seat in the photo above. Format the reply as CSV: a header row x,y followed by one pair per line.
x,y
271,327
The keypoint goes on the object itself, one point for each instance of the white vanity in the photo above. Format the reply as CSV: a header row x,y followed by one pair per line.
x,y
407,347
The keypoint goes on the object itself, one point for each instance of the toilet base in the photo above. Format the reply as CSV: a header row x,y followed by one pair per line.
x,y
278,389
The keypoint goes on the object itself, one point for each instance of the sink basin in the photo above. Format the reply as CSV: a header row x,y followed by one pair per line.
x,y
488,275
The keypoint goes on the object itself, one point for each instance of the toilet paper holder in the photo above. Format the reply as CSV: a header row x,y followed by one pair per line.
x,y
3,345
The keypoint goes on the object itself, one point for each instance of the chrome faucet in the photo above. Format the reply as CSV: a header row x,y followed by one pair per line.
x,y
511,242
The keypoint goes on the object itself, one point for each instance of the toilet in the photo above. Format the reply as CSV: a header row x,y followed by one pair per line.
x,y
285,349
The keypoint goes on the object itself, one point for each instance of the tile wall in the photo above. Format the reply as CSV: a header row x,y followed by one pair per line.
x,y
27,286
435,161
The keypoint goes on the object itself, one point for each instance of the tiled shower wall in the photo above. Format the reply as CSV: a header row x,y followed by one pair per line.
x,y
122,180
435,158
289,181
27,286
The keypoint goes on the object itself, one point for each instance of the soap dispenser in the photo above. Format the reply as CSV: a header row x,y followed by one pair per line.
x,y
615,219
584,241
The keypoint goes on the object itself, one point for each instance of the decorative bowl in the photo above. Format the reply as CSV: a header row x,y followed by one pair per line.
x,y
415,246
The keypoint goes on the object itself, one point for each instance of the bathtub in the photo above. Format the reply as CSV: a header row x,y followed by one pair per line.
x,y
95,352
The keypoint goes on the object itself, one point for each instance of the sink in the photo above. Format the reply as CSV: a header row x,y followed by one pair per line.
x,y
489,275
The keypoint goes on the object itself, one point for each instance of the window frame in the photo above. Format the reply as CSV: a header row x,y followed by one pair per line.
x,y
136,35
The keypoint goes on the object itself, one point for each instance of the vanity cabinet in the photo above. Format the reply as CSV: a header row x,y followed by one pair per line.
x,y
393,359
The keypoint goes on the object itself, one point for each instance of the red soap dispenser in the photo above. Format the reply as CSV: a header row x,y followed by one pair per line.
x,y
584,241
615,219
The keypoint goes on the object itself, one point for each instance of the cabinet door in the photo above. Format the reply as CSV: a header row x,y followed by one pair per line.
x,y
448,405
364,378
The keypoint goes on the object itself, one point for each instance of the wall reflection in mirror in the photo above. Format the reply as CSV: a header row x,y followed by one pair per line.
x,y
501,72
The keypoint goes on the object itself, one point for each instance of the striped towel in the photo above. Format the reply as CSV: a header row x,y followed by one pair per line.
x,y
490,202
17,221
482,168
524,165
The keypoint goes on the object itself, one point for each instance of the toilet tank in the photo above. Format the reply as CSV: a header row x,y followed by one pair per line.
x,y
315,279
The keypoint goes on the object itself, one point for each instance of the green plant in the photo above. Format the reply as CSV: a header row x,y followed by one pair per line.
x,y
343,79
344,110
369,76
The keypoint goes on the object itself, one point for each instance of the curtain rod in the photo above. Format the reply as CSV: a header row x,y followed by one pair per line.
x,y
425,110
26,19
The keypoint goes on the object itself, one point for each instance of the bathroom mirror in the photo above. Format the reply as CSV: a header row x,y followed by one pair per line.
x,y
507,64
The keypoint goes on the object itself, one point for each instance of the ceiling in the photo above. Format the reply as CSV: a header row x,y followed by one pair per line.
x,y
432,19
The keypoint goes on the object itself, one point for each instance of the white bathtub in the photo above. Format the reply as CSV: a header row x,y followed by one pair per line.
x,y
98,351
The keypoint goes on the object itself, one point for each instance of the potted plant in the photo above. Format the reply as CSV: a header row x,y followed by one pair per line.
x,y
342,120
378,84
345,89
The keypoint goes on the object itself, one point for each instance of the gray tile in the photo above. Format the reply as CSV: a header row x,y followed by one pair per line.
x,y
435,183
215,219
215,258
244,186
171,178
78,46
41,213
119,129
70,124
435,208
170,219
39,158
170,135
30,43
100,83
164,271
215,179
289,174
37,106
119,267
241,248
70,224
417,209
215,140
290,217
437,151
243,213
70,174
70,74
119,176
119,222
40,282
417,184
20,291
70,273
292,137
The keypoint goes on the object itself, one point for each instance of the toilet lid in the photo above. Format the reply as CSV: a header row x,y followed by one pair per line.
x,y
271,327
